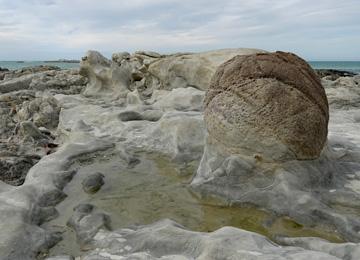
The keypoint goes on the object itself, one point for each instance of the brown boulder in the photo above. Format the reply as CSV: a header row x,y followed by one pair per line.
x,y
272,104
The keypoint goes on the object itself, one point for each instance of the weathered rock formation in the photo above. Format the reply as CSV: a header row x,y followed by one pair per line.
x,y
342,93
43,111
29,70
269,104
43,78
148,71
192,69
156,241
105,77
149,103
26,104
334,74
267,120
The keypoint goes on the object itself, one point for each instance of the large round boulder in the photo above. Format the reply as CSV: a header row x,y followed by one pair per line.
x,y
270,105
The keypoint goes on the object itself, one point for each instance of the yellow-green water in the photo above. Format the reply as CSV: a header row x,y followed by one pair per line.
x,y
155,189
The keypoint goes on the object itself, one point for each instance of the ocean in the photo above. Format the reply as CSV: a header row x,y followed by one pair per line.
x,y
352,66
13,65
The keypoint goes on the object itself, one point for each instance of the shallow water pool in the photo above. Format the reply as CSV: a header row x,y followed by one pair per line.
x,y
157,188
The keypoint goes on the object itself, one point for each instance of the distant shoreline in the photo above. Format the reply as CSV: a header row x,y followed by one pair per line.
x,y
62,64
61,61
341,66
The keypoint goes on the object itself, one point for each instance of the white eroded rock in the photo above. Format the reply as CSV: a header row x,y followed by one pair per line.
x,y
192,70
168,240
343,93
147,71
183,99
105,77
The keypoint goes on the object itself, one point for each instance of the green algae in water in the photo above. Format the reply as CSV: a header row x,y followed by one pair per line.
x,y
157,188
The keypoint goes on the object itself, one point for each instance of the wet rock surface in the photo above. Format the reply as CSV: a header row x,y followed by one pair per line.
x,y
58,125
93,182
157,241
87,221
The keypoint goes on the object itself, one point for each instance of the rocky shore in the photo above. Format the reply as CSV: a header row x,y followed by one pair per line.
x,y
226,154
334,74
62,61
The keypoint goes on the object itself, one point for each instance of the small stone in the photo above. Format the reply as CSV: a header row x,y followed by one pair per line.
x,y
87,221
130,116
84,208
28,129
44,130
93,182
137,76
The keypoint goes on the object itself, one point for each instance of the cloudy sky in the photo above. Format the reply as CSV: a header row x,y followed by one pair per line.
x,y
51,29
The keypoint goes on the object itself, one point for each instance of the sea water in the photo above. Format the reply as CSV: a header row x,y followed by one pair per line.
x,y
14,65
352,66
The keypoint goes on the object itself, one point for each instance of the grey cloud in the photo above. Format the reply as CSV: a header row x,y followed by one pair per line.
x,y
314,29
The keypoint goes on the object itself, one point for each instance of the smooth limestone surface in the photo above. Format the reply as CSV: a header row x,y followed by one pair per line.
x,y
157,188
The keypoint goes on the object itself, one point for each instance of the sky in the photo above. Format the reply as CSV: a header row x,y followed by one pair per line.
x,y
53,29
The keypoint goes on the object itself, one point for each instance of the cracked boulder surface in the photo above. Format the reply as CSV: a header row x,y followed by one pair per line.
x,y
272,104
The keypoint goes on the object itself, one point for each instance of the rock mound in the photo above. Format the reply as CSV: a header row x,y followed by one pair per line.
x,y
343,92
105,78
272,104
43,78
192,69
334,74
43,111
148,71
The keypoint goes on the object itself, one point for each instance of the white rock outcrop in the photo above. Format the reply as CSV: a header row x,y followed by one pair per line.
x,y
146,71
192,69
149,103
